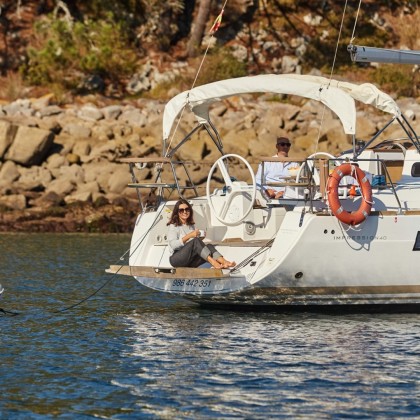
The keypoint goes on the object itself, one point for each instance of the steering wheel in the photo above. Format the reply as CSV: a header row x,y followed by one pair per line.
x,y
230,212
310,165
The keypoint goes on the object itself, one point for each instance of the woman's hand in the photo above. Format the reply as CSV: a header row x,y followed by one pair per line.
x,y
201,233
193,234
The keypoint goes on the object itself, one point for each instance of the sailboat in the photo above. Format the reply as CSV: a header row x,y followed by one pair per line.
x,y
325,243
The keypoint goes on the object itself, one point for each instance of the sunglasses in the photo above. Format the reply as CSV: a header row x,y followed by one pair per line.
x,y
283,144
184,210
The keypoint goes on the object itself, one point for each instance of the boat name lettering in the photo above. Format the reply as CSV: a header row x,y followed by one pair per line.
x,y
360,237
191,282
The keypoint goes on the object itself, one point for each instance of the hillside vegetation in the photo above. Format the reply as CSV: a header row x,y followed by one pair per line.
x,y
140,48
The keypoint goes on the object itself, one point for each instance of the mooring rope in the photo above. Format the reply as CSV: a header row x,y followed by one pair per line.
x,y
139,242
122,257
8,313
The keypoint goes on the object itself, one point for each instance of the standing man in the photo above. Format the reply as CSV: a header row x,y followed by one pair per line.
x,y
276,171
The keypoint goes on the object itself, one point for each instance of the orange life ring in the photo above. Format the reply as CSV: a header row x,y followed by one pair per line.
x,y
356,217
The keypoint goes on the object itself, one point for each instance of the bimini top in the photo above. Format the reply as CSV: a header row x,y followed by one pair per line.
x,y
366,93
338,96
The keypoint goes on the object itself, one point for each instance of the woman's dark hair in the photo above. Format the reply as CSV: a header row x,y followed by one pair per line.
x,y
174,219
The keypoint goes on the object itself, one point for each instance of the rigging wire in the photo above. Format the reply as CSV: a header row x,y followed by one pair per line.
x,y
331,73
265,247
338,40
14,313
214,28
355,23
140,240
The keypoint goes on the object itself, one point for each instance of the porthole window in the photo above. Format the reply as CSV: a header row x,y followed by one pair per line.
x,y
415,170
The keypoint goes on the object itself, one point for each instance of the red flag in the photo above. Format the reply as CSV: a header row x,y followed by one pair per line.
x,y
217,23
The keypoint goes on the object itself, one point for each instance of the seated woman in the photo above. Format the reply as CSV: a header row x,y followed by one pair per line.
x,y
186,246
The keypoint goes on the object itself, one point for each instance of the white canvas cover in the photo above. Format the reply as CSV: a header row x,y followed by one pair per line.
x,y
200,98
338,96
366,93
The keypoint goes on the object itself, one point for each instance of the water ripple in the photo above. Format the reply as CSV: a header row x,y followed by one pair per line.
x,y
130,353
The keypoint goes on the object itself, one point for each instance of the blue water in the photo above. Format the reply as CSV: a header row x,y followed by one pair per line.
x,y
130,353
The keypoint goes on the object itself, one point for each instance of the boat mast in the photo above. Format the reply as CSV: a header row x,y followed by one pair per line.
x,y
383,55
391,56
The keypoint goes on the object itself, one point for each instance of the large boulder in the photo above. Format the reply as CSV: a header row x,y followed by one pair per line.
x,y
366,128
13,201
61,187
191,150
77,130
112,112
237,142
307,142
119,180
30,146
90,113
82,148
73,173
133,117
54,164
7,134
8,173
34,178
101,172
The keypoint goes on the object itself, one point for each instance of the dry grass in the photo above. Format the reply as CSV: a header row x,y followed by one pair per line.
x,y
12,87
407,28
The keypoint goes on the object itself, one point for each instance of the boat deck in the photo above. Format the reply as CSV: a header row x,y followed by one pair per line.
x,y
168,272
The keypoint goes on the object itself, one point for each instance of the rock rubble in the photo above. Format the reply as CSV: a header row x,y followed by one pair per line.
x,y
60,169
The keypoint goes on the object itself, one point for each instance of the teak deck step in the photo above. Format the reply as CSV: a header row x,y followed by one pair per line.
x,y
240,243
158,185
280,159
167,272
150,185
232,243
146,160
287,184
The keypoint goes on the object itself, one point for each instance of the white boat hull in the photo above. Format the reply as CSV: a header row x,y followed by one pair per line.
x,y
299,250
315,261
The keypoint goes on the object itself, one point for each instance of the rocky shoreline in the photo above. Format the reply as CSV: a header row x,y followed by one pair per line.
x,y
60,169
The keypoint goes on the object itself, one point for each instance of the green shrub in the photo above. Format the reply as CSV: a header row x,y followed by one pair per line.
x,y
398,78
66,53
219,65
161,90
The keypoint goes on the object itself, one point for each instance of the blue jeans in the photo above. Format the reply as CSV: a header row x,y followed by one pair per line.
x,y
194,253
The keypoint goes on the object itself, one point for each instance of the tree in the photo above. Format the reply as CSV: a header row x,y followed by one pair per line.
x,y
198,28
